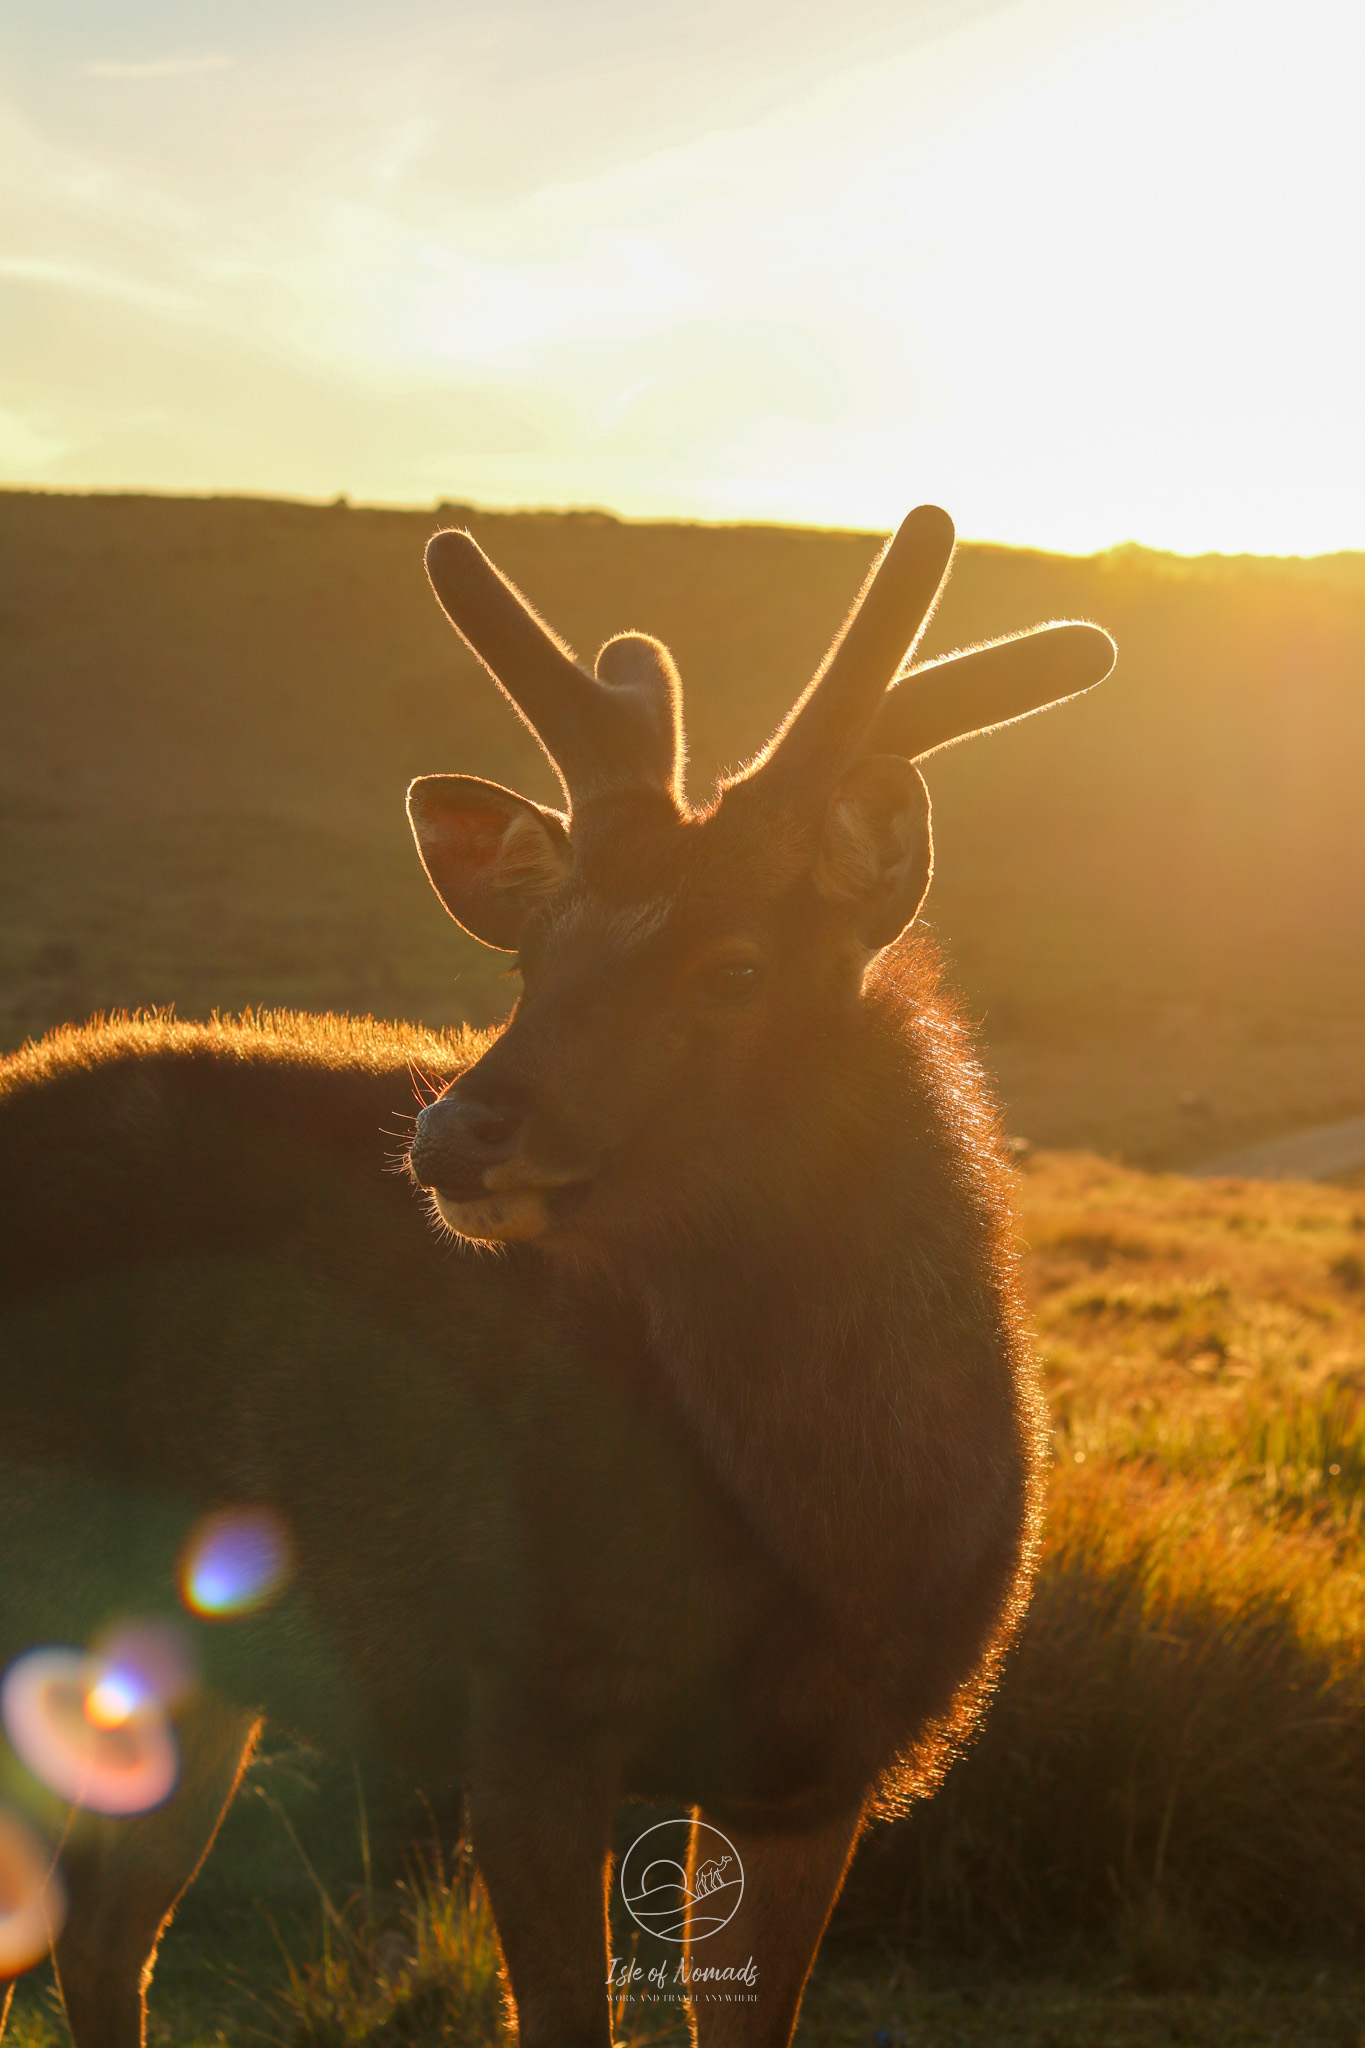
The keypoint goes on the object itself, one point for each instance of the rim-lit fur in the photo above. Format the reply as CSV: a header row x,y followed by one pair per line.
x,y
719,1482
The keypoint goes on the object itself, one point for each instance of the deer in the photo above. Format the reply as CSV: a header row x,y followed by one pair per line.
x,y
667,1429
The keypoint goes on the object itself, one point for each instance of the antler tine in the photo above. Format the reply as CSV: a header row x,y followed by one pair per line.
x,y
824,732
983,687
618,730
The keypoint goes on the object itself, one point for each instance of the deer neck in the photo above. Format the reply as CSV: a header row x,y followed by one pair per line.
x,y
823,1359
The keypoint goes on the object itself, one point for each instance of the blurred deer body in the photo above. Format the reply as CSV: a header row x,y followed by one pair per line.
x,y
718,1483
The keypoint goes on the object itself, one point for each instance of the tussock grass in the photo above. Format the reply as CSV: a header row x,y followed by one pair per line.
x,y
415,1967
421,1966
1175,1762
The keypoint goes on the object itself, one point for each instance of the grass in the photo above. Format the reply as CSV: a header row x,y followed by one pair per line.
x,y
1159,1834
1175,1764
420,1967
896,2006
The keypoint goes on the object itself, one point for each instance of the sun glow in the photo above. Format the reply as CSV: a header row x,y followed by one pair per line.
x,y
1082,273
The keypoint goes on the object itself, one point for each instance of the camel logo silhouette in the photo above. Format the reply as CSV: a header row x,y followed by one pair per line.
x,y
660,1895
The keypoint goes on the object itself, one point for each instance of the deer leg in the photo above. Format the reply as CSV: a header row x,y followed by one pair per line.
x,y
540,1812
791,1881
124,1879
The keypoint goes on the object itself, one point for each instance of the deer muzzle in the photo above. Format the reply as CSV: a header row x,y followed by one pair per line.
x,y
472,1155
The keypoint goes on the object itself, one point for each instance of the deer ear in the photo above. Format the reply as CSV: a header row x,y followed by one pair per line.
x,y
491,856
876,847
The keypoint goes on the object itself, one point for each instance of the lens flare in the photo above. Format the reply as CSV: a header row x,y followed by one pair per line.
x,y
32,1901
89,1731
147,1659
235,1562
111,1700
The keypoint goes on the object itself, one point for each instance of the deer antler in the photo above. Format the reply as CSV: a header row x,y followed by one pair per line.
x,y
617,730
983,687
825,730
848,710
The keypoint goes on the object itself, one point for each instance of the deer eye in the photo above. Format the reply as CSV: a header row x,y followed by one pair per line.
x,y
730,981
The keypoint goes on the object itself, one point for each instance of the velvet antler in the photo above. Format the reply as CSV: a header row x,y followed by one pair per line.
x,y
616,730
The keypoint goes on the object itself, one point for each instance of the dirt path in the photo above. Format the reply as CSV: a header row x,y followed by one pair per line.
x,y
1320,1153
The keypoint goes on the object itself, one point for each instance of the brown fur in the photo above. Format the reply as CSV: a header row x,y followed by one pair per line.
x,y
723,1490
777,1534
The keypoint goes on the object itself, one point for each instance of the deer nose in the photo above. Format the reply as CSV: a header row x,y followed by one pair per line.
x,y
458,1139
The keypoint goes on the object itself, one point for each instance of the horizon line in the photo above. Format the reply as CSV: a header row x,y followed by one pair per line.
x,y
437,507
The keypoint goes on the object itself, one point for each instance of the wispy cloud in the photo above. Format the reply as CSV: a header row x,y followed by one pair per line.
x,y
1012,255
158,67
100,283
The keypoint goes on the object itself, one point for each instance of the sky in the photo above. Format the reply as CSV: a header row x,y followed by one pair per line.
x,y
1084,271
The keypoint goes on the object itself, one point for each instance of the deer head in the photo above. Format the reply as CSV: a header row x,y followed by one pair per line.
x,y
694,979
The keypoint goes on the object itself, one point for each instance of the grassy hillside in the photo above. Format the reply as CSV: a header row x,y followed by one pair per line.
x,y
211,709
1177,1753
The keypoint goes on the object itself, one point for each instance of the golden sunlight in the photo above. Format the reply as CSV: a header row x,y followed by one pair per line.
x,y
1082,273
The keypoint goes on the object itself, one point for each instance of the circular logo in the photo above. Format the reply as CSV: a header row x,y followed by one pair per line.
x,y
659,1894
